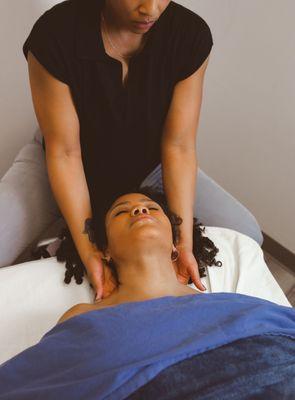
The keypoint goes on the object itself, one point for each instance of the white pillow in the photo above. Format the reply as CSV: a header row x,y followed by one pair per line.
x,y
33,295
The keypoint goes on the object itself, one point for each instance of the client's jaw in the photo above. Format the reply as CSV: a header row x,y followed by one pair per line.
x,y
142,252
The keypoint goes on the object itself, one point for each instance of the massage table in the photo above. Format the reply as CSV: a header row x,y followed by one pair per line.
x,y
33,295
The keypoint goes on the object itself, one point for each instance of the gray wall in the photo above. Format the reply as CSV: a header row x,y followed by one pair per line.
x,y
246,136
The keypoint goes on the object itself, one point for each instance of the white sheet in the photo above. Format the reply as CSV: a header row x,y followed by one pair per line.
x,y
33,295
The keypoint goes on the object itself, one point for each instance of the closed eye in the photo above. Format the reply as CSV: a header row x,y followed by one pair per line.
x,y
152,208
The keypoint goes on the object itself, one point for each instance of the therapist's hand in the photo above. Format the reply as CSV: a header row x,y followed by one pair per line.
x,y
186,266
99,275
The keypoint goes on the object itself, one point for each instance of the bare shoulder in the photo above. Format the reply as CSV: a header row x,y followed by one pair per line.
x,y
76,310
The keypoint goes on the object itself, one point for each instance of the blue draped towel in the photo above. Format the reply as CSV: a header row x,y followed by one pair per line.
x,y
110,353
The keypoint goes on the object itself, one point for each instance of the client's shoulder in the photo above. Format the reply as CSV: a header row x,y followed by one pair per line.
x,y
76,310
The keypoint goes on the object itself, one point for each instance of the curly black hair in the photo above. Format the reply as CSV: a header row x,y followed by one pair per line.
x,y
204,249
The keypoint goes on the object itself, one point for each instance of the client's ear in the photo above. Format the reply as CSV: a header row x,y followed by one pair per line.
x,y
107,256
173,247
174,254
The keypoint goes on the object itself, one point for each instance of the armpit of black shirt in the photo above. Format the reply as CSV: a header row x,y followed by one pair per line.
x,y
120,126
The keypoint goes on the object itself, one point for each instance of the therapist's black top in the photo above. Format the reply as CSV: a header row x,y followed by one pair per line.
x,y
120,126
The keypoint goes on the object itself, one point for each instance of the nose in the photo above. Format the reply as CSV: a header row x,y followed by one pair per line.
x,y
139,210
149,8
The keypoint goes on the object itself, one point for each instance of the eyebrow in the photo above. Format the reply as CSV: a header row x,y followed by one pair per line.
x,y
125,202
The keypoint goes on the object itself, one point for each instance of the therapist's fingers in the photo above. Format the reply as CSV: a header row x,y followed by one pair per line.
x,y
109,282
95,272
101,277
187,266
196,278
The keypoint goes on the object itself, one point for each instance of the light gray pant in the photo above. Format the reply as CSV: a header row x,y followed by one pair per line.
x,y
29,212
214,206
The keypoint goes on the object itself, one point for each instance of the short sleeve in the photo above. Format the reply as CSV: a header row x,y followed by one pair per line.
x,y
194,50
45,44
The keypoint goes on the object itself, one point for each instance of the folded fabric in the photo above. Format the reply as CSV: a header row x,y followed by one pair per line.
x,y
110,353
200,377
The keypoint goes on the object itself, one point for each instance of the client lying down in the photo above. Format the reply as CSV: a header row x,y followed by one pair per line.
x,y
154,337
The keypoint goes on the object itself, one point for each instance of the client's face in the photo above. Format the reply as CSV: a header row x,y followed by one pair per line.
x,y
133,222
140,245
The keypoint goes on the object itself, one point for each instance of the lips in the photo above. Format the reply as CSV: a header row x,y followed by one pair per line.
x,y
146,22
143,217
145,25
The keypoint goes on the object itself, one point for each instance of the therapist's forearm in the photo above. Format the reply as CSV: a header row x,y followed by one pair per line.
x,y
179,171
69,186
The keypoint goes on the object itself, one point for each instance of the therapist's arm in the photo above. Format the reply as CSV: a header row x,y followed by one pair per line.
x,y
178,151
179,181
59,124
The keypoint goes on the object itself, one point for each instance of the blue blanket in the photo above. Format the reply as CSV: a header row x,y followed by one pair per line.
x,y
258,367
110,353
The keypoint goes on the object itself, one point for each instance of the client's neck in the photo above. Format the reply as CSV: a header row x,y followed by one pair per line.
x,y
146,275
